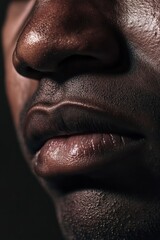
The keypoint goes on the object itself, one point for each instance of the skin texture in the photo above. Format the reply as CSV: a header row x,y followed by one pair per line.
x,y
104,53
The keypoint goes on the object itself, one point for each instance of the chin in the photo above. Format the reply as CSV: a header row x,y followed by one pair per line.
x,y
99,215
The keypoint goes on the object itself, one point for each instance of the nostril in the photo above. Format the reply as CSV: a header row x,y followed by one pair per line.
x,y
78,64
81,64
77,61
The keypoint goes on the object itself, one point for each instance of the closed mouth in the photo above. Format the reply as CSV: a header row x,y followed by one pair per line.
x,y
72,139
69,119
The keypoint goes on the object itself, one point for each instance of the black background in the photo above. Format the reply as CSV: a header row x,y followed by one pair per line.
x,y
26,211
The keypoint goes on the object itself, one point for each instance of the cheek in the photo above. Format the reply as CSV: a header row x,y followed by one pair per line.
x,y
141,24
19,90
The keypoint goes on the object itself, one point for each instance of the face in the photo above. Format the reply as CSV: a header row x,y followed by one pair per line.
x,y
83,84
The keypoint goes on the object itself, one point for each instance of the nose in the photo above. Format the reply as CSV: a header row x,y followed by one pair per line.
x,y
60,30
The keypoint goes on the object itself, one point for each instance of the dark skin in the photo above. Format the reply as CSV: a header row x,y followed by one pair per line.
x,y
83,82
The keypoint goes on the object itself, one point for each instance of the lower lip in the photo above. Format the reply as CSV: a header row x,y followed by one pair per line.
x,y
80,153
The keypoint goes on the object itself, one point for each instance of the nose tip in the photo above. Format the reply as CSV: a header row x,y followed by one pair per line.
x,y
48,41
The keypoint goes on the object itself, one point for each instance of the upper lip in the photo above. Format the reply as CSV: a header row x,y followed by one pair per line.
x,y
68,118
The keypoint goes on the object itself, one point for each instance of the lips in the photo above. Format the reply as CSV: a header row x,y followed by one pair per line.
x,y
74,138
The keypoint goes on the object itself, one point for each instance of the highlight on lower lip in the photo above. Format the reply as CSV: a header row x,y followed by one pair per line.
x,y
78,153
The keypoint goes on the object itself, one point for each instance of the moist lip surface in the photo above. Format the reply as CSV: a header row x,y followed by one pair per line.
x,y
80,153
72,139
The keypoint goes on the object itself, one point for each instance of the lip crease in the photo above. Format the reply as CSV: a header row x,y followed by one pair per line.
x,y
73,138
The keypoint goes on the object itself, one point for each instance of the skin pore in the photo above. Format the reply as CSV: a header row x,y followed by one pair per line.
x,y
83,80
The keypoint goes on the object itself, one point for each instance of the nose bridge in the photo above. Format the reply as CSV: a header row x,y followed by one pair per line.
x,y
59,25
58,29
